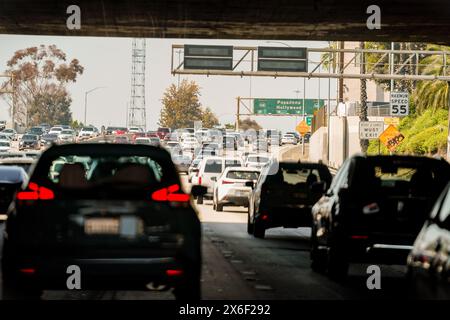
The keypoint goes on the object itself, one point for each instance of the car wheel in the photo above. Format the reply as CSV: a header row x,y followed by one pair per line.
x,y
250,225
337,263
318,257
189,289
200,200
259,231
219,207
12,286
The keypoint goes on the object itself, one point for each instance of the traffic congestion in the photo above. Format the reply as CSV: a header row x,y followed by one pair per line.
x,y
133,203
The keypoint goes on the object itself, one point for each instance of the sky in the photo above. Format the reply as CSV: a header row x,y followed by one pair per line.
x,y
107,63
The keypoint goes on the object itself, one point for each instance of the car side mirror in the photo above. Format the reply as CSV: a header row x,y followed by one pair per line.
x,y
250,184
213,179
198,190
318,187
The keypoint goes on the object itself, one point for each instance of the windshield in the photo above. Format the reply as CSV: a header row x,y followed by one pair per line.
x,y
243,175
29,137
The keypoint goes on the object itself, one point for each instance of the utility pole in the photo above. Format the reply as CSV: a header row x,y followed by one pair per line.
x,y
391,66
341,71
236,127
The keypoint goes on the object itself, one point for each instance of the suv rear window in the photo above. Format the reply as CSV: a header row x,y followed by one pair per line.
x,y
213,166
243,175
232,163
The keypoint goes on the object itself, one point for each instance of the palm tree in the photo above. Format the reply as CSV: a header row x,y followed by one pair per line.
x,y
432,94
363,90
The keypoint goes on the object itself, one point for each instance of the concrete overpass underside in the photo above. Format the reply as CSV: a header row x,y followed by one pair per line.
x,y
401,20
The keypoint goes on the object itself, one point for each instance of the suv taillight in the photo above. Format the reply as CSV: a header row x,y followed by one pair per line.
x,y
35,192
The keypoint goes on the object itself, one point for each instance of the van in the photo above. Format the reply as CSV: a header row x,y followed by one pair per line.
x,y
210,169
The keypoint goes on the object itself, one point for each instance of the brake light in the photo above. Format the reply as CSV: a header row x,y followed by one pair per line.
x,y
28,270
170,194
36,193
200,180
359,237
174,272
227,182
264,217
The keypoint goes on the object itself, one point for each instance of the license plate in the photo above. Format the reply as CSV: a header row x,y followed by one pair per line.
x,y
102,226
241,193
299,195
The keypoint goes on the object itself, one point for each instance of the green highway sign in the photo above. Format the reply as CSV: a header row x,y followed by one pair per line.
x,y
286,106
291,59
208,57
309,121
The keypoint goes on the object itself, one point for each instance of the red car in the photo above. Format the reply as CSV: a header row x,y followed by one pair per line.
x,y
163,132
137,135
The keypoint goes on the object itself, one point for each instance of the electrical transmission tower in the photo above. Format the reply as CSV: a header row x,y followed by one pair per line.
x,y
137,116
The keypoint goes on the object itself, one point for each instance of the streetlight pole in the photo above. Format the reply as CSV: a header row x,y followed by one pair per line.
x,y
85,102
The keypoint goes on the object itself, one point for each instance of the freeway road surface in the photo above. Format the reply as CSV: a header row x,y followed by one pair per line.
x,y
239,266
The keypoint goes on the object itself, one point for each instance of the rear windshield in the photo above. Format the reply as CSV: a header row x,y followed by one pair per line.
x,y
213,166
232,163
13,176
399,178
243,175
29,137
119,175
258,159
296,176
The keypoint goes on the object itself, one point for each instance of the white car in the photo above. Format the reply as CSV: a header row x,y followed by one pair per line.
x,y
134,130
87,132
5,145
67,136
230,188
142,140
212,167
257,161
11,133
288,139
189,143
55,130
193,168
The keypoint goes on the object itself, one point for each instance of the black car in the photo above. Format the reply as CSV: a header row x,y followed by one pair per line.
x,y
49,139
429,260
284,195
36,131
374,210
11,179
115,211
30,141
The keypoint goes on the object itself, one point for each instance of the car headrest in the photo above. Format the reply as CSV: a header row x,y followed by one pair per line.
x,y
134,174
73,175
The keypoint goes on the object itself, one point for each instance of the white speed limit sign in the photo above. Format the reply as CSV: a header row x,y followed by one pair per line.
x,y
399,104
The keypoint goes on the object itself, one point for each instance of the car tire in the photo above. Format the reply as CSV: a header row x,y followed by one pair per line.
x,y
13,287
189,289
337,263
250,225
200,200
219,207
259,231
318,257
